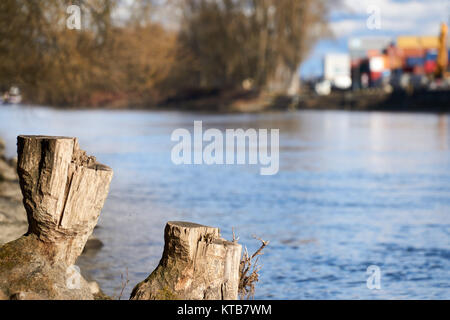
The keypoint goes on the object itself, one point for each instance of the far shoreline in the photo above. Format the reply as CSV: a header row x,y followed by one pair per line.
x,y
437,102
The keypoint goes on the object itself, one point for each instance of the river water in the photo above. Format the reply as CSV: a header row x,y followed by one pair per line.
x,y
354,189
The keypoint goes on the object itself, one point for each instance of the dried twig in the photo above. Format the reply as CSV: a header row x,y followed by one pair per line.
x,y
235,240
124,283
249,271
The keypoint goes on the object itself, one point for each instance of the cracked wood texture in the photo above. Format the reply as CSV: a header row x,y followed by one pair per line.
x,y
197,264
63,192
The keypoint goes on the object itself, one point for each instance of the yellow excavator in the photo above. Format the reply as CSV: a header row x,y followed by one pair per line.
x,y
442,58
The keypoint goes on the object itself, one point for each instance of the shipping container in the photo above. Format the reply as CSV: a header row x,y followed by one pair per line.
x,y
373,53
418,70
430,66
386,62
375,77
394,59
359,46
418,42
414,61
431,55
413,52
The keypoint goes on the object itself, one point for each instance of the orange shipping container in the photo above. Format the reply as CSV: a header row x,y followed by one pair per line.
x,y
373,53
394,57
418,70
423,42
413,52
387,62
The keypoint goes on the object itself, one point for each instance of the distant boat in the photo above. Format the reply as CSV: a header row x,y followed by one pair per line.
x,y
12,97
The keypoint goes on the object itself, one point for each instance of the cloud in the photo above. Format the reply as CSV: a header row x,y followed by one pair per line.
x,y
397,17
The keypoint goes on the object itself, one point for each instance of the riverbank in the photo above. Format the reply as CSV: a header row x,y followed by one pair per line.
x,y
378,100
255,102
365,100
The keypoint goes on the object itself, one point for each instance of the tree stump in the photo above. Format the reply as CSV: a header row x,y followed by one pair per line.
x,y
197,264
63,193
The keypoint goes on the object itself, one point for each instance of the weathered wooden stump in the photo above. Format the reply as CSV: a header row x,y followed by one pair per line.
x,y
197,264
63,193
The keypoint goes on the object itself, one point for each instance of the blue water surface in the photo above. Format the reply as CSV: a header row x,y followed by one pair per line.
x,y
354,189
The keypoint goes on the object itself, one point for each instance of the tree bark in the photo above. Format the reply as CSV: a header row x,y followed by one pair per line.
x,y
197,264
63,191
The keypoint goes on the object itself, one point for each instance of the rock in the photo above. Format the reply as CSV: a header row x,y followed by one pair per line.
x,y
12,211
94,287
26,273
25,296
64,191
13,219
11,231
197,264
7,171
11,190
13,162
2,146
92,245
7,167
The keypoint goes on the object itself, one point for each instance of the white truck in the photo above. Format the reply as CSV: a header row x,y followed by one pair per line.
x,y
337,70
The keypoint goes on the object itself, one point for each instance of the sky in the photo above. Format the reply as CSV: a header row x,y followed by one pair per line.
x,y
396,17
